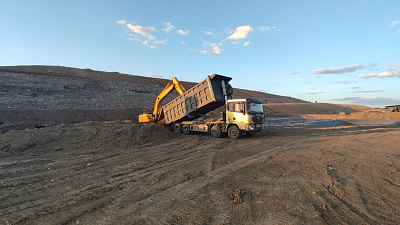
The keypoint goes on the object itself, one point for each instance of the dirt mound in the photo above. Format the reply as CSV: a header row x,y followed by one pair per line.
x,y
53,87
89,135
21,119
297,109
371,115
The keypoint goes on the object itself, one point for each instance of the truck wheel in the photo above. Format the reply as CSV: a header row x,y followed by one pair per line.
x,y
178,127
216,131
186,129
234,132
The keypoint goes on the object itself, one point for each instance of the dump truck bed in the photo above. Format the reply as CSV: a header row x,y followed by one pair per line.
x,y
204,97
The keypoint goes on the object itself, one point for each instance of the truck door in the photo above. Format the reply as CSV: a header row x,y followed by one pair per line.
x,y
236,114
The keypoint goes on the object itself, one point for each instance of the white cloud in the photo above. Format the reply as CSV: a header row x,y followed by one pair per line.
x,y
264,28
208,33
169,27
160,42
182,32
344,69
144,31
240,33
307,82
274,28
318,76
370,101
315,93
366,91
394,23
291,73
246,43
381,75
121,22
213,48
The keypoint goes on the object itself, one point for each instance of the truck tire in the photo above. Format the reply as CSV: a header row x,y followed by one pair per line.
x,y
216,131
186,129
178,127
234,132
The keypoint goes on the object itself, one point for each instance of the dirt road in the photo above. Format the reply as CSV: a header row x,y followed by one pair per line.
x,y
123,173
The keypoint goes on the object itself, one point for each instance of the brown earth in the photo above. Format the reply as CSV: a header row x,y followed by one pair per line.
x,y
298,109
124,173
37,96
86,162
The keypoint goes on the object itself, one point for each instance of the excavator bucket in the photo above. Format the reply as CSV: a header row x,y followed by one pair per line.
x,y
145,118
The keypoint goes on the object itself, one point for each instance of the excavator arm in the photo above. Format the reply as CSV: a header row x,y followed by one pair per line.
x,y
144,118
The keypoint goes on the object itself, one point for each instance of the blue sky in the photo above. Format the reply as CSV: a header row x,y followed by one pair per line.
x,y
345,52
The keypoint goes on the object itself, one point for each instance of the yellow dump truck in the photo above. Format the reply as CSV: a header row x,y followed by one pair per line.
x,y
240,116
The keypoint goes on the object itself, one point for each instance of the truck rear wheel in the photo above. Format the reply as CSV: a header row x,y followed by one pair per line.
x,y
186,129
216,131
178,127
234,132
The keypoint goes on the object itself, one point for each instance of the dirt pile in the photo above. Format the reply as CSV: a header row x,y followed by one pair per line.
x,y
376,115
89,135
101,173
298,109
52,87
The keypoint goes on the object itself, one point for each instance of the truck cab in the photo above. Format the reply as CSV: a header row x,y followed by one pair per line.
x,y
246,114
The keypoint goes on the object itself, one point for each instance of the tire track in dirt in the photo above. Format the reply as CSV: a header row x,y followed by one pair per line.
x,y
127,169
181,191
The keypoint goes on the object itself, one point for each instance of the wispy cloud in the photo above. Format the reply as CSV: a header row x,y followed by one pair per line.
x,y
213,48
381,75
394,23
370,101
122,22
342,82
344,69
307,82
273,28
315,93
183,32
246,43
144,31
292,73
208,33
361,91
168,27
240,33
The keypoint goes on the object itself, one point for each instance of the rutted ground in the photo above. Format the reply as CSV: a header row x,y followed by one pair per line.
x,y
123,173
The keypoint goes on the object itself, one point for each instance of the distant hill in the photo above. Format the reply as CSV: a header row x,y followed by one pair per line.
x,y
57,87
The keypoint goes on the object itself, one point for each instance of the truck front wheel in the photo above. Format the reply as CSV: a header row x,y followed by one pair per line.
x,y
216,131
234,132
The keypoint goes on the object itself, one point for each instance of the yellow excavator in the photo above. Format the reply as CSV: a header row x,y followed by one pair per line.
x,y
157,115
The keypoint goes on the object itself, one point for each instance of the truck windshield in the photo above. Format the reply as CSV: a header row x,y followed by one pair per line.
x,y
253,107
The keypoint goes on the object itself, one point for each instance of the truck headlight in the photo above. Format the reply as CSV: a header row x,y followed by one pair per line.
x,y
251,127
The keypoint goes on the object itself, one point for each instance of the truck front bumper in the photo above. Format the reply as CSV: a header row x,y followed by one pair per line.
x,y
254,127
